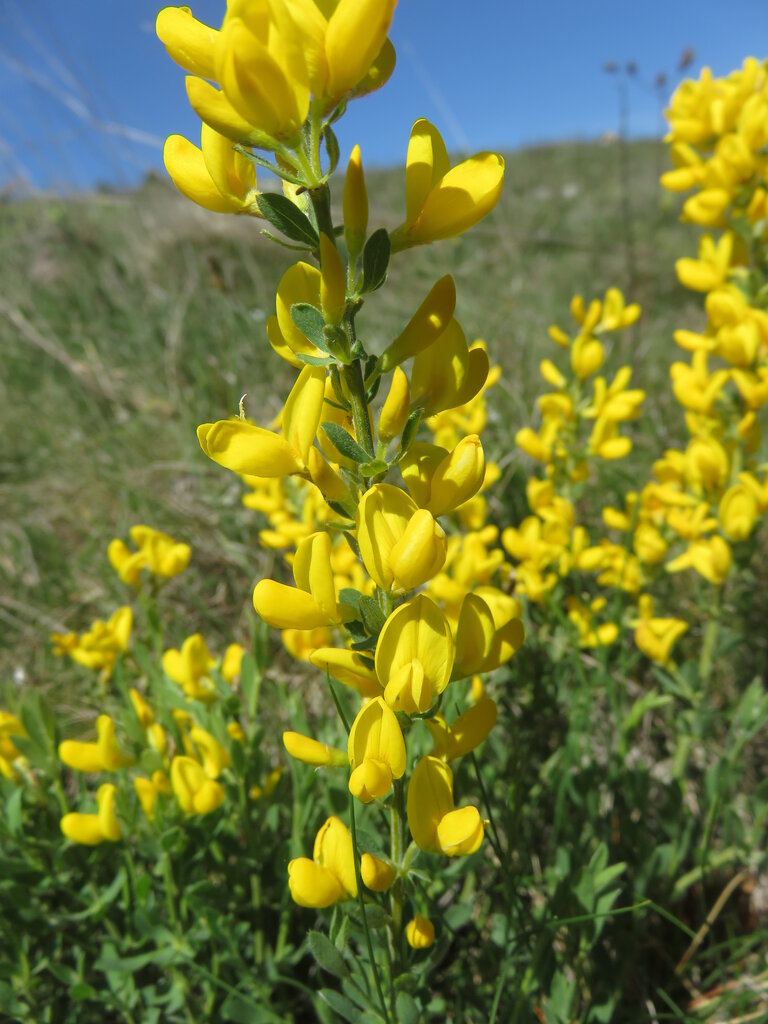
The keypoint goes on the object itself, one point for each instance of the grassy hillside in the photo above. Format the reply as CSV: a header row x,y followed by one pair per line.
x,y
127,319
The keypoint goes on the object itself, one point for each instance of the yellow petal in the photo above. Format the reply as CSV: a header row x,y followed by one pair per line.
x,y
248,449
420,932
186,166
465,195
376,873
213,108
425,326
356,33
285,607
430,798
310,751
426,163
349,667
460,832
312,885
302,411
188,41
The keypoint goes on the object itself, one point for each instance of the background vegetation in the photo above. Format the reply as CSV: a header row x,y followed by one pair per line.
x,y
126,320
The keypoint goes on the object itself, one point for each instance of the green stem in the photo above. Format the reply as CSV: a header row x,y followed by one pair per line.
x,y
496,841
359,880
397,841
706,659
321,204
353,378
170,890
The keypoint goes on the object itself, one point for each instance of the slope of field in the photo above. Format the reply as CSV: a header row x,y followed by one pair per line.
x,y
127,319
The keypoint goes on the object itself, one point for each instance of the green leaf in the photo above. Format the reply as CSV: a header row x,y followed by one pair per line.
x,y
250,681
327,956
350,596
376,260
344,1007
373,616
288,218
13,811
331,147
375,467
311,322
648,702
408,1010
410,430
314,360
344,443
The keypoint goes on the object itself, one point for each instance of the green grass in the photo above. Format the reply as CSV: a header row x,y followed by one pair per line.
x,y
128,318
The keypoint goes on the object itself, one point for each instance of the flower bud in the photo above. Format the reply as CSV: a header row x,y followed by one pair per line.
x,y
310,751
396,407
458,477
333,282
420,932
355,205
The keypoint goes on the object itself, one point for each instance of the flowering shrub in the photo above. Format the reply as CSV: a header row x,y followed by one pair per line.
x,y
383,867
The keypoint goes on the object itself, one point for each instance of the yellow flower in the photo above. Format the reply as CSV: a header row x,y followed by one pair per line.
x,y
401,545
309,751
414,655
231,662
102,756
738,512
376,750
396,407
147,791
251,450
441,481
190,668
482,642
330,876
215,176
435,825
196,792
656,636
420,932
466,733
312,602
92,829
351,668
214,756
451,379
259,67
711,268
99,646
144,712
376,873
426,325
442,201
711,558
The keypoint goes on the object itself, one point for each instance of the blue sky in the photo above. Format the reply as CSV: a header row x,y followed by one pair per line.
x,y
87,92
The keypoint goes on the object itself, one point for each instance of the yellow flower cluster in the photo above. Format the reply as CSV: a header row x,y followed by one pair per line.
x,y
100,645
385,533
185,761
718,133
703,500
12,762
160,554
